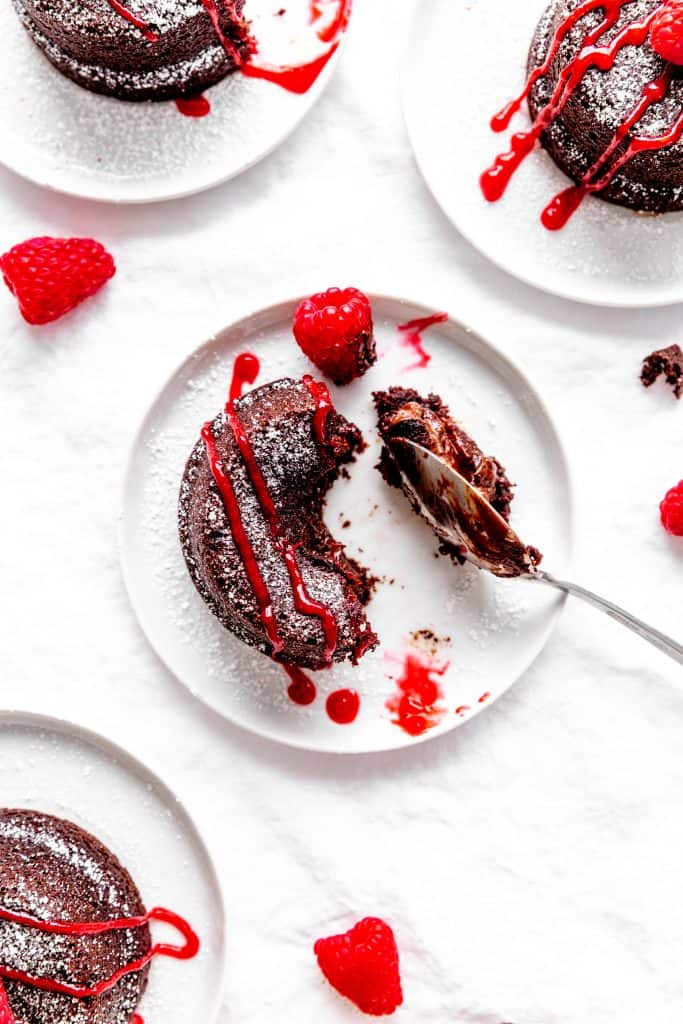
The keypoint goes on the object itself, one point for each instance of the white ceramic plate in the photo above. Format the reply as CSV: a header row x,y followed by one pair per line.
x,y
63,137
61,769
495,627
466,59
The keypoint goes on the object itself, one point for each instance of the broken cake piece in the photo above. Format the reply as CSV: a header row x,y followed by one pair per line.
x,y
404,414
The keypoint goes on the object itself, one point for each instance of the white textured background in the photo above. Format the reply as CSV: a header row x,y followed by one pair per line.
x,y
530,862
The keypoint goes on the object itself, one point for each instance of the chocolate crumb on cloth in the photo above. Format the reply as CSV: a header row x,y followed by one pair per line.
x,y
667,363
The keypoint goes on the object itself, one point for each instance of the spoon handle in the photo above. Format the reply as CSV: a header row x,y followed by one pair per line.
x,y
660,640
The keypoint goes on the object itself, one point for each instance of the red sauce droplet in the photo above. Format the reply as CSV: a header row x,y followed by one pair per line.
x,y
416,706
411,337
245,370
462,710
484,697
194,106
187,951
557,213
301,689
343,706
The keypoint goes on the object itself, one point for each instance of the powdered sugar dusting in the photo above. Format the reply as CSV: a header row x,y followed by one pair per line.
x,y
62,134
609,97
607,254
417,591
53,770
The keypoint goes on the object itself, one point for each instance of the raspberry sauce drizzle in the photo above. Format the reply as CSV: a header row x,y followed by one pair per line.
x,y
411,337
320,394
147,31
301,689
501,121
557,213
416,706
187,951
303,601
6,1015
296,78
562,206
245,372
193,106
343,706
211,8
299,78
242,542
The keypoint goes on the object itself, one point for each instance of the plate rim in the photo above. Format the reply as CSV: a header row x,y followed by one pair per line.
x,y
270,734
65,726
530,281
98,195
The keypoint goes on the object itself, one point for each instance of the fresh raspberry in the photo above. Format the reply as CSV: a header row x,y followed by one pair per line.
x,y
666,33
363,965
50,276
6,1015
671,510
334,329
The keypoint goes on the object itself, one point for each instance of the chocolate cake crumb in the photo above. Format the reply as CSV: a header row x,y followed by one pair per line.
x,y
666,362
428,641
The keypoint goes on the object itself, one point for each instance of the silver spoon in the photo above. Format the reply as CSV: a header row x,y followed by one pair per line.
x,y
462,517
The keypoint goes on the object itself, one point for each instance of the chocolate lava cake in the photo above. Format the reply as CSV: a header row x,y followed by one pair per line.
x,y
140,49
577,139
52,870
298,450
404,413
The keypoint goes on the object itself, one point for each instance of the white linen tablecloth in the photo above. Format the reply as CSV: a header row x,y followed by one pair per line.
x,y
530,861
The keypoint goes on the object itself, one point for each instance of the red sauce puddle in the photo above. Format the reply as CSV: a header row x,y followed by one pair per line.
x,y
557,213
417,704
343,706
245,371
194,106
296,78
411,337
187,951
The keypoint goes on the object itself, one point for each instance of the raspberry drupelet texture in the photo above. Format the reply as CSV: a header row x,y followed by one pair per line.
x,y
334,330
666,34
671,510
363,966
51,276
